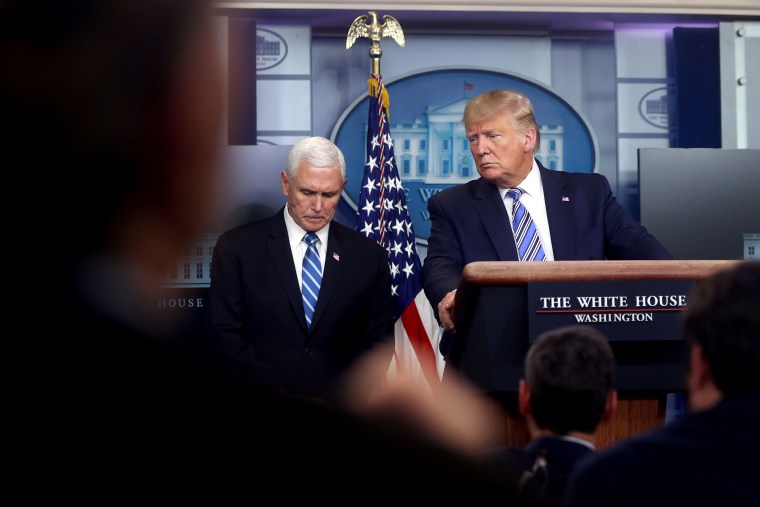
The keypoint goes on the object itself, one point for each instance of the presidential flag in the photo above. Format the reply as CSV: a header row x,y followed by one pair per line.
x,y
383,216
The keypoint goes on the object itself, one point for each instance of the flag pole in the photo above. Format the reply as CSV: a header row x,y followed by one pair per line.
x,y
384,217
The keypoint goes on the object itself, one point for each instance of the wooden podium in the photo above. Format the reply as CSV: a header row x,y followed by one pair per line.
x,y
492,337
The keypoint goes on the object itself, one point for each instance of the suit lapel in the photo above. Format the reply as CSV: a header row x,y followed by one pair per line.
x,y
278,246
495,219
559,199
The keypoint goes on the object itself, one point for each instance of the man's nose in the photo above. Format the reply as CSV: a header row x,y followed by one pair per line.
x,y
483,146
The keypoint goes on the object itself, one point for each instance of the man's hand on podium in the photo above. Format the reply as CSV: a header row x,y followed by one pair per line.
x,y
446,312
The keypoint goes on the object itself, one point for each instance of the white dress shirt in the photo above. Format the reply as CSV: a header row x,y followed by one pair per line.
x,y
298,246
533,200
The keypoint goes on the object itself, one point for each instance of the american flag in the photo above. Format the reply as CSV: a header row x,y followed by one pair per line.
x,y
383,216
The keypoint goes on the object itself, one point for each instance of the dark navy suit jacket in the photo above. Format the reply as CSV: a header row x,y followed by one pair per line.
x,y
257,311
704,459
470,223
541,468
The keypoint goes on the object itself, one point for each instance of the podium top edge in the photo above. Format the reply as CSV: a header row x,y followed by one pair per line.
x,y
520,273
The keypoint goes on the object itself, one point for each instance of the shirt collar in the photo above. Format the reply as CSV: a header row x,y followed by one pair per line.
x,y
296,232
577,440
531,185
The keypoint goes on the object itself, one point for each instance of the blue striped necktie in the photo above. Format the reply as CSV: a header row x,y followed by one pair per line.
x,y
311,277
526,236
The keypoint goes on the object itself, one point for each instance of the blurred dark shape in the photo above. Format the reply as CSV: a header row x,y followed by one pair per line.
x,y
109,114
711,455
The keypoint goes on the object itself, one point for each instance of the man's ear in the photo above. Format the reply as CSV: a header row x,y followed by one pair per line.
x,y
699,369
702,391
529,140
523,399
610,405
285,183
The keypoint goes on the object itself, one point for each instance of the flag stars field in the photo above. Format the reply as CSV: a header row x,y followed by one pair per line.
x,y
385,219
367,230
370,186
371,163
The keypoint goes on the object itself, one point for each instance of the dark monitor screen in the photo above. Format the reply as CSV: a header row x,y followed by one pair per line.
x,y
700,202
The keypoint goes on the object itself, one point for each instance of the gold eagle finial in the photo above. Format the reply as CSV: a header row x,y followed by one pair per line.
x,y
374,31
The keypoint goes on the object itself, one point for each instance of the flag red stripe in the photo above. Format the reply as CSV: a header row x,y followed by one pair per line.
x,y
420,341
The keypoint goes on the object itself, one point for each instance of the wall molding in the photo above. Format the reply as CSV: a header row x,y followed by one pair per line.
x,y
694,7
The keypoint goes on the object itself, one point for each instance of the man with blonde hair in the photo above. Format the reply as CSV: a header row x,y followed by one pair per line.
x,y
553,215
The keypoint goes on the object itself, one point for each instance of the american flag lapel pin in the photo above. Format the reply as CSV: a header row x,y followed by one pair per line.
x,y
565,199
336,256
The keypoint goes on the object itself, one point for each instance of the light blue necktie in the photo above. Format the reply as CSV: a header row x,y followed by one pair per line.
x,y
311,273
526,236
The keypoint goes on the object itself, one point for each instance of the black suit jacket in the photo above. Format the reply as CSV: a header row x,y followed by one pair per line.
x,y
257,312
470,223
706,458
540,469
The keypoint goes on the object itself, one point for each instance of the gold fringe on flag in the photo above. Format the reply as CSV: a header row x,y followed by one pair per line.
x,y
372,90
